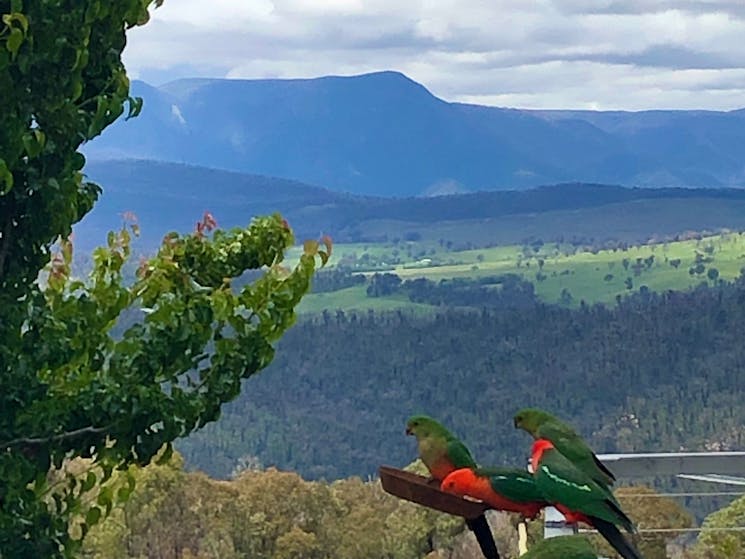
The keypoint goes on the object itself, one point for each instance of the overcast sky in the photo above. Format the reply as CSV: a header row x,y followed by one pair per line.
x,y
588,54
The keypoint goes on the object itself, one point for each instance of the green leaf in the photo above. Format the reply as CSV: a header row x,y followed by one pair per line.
x,y
14,41
123,494
166,454
105,498
135,107
14,17
6,178
89,482
33,143
92,516
77,161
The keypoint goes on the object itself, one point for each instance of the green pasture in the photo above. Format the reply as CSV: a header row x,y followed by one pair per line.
x,y
553,269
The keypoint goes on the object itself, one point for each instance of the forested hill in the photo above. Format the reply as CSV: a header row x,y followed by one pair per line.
x,y
384,134
169,196
657,372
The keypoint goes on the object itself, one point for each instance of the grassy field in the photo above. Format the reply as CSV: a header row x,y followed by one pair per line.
x,y
355,299
560,273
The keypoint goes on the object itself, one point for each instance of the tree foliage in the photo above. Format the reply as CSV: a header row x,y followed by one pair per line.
x,y
716,541
650,511
69,387
265,514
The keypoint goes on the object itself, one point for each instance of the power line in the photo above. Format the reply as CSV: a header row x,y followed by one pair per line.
x,y
682,494
676,530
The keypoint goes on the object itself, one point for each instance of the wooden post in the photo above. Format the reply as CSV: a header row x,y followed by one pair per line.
x,y
522,538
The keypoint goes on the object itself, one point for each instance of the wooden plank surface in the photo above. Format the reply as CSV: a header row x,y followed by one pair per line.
x,y
423,491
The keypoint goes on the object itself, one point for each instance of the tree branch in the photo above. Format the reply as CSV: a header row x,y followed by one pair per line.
x,y
5,243
35,441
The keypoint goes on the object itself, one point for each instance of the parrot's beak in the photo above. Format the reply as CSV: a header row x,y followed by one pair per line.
x,y
514,421
408,431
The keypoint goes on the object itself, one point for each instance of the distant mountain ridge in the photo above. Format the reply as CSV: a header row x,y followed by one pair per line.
x,y
169,196
383,134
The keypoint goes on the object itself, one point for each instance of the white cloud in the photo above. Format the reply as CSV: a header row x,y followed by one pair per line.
x,y
546,53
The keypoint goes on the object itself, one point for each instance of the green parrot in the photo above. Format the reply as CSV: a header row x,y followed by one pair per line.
x,y
561,547
443,453
579,498
543,425
439,449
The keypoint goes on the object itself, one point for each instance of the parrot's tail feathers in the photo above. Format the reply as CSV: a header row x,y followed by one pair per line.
x,y
614,537
603,468
623,519
480,528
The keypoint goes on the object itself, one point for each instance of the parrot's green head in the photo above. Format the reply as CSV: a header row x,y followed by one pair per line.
x,y
423,426
530,419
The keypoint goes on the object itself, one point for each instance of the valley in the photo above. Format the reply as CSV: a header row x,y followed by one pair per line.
x,y
564,274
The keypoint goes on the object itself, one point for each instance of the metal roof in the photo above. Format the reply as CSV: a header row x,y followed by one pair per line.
x,y
674,463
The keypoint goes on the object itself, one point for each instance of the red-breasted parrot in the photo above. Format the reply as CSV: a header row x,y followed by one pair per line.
x,y
505,489
443,453
543,425
579,498
561,547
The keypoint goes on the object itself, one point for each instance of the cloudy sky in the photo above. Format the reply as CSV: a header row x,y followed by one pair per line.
x,y
597,54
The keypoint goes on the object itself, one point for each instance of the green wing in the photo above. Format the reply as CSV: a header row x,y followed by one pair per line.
x,y
570,444
561,547
562,482
516,485
459,455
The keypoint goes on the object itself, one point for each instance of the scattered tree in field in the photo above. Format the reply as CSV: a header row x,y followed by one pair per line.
x,y
566,297
712,274
383,284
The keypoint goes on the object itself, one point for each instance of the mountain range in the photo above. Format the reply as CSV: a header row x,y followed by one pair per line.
x,y
383,134
172,197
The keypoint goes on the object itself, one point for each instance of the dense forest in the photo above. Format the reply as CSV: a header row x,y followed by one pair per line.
x,y
655,372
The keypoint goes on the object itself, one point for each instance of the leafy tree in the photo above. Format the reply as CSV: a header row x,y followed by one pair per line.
x,y
70,388
650,511
265,515
715,541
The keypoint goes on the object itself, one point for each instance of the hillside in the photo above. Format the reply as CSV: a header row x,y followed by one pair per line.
x,y
169,196
334,401
383,134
